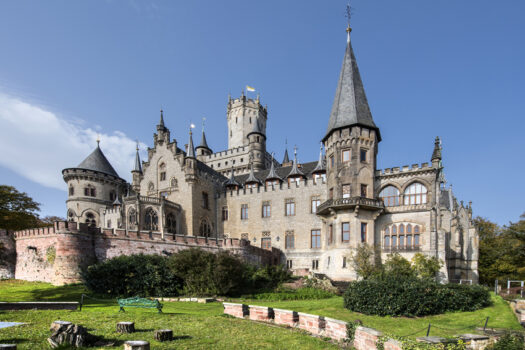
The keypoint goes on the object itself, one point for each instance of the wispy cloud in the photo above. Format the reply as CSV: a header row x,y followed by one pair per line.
x,y
37,144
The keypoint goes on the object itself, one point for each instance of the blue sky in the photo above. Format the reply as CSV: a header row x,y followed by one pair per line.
x,y
70,70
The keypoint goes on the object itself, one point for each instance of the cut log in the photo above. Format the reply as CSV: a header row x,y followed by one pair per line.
x,y
55,326
163,335
126,327
136,345
7,346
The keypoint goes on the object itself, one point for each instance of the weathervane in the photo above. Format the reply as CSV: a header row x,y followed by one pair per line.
x,y
348,19
203,122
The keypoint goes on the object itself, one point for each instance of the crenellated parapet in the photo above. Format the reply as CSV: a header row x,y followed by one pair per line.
x,y
404,170
283,187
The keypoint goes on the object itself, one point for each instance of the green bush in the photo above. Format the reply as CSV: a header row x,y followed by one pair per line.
x,y
395,295
508,342
134,275
282,294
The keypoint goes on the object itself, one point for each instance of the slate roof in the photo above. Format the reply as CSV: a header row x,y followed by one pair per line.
x,y
191,149
350,105
97,161
282,172
204,143
256,128
138,165
286,159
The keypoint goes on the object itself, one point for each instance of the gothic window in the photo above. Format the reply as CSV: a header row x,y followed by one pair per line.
x,y
316,239
90,220
315,264
330,234
289,240
224,213
171,223
90,191
151,220
151,187
70,215
362,155
416,193
390,196
346,191
244,211
162,172
332,161
71,190
205,202
364,228
363,190
290,207
402,236
204,229
266,210
132,217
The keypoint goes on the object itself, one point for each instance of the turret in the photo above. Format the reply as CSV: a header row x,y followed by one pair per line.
x,y
203,150
436,153
163,133
242,113
190,162
137,172
295,175
257,146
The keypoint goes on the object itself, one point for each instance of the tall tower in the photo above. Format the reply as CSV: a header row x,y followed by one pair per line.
x,y
257,146
242,113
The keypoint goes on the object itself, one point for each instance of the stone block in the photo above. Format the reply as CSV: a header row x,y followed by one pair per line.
x,y
261,313
286,317
236,310
312,323
335,329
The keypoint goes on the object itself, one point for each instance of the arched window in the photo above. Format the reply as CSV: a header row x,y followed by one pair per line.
x,y
204,229
132,217
151,221
409,228
394,229
90,220
162,171
390,196
71,190
401,228
70,215
415,194
171,223
416,229
404,236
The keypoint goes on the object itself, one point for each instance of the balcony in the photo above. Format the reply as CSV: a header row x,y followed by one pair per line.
x,y
347,203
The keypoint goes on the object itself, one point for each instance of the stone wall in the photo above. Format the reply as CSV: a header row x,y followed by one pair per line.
x,y
7,255
57,254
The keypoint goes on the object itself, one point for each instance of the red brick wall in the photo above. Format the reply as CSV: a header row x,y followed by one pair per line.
x,y
236,310
261,313
286,317
366,338
312,323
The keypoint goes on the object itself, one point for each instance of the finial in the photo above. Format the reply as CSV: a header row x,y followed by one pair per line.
x,y
161,123
348,18
242,93
137,145
192,126
98,140
295,151
258,97
203,122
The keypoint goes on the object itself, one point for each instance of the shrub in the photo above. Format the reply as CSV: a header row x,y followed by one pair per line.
x,y
134,275
508,342
305,293
396,295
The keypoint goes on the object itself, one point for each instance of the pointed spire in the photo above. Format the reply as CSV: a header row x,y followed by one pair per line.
x,y
161,122
191,150
116,202
436,154
350,105
204,143
295,172
138,166
320,167
231,182
251,178
272,175
286,159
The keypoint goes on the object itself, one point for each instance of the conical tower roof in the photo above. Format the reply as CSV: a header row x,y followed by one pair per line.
x,y
97,161
231,182
251,178
204,143
191,149
286,158
320,167
272,174
350,105
436,154
256,129
138,165
295,172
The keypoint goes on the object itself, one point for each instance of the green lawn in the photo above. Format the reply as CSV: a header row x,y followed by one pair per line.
x,y
195,326
203,326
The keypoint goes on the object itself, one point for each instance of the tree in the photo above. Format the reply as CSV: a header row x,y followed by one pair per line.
x,y
18,211
363,261
426,267
49,220
397,265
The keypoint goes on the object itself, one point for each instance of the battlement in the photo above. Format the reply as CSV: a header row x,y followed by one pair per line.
x,y
245,101
283,186
229,152
404,169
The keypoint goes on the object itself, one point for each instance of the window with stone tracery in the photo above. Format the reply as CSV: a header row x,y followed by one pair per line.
x,y
151,220
416,193
402,236
204,229
171,223
390,196
90,220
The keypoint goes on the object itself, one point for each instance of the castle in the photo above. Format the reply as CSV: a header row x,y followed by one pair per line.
x,y
309,216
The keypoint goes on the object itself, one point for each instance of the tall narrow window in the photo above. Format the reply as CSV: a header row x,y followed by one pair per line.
x,y
205,203
330,234
315,203
362,155
345,156
71,190
387,241
363,190
345,232
224,213
266,210
316,239
289,264
171,223
290,207
289,242
331,193
346,191
315,264
162,172
416,240
332,161
151,220
344,262
244,211
363,232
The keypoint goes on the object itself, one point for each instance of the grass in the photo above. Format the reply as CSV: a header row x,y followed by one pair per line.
x,y
203,326
195,326
444,325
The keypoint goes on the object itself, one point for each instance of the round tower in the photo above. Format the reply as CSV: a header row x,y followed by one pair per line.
x,y
257,146
92,186
241,115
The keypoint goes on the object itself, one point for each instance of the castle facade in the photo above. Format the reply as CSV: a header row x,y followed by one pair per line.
x,y
314,214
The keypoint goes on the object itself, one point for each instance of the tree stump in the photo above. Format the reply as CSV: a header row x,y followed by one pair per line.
x,y
55,326
7,346
126,327
163,335
136,345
